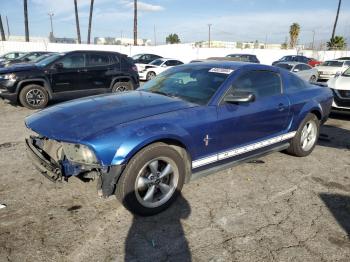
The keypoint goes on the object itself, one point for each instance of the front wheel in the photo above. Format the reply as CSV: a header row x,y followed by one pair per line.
x,y
152,180
150,75
306,137
313,79
34,97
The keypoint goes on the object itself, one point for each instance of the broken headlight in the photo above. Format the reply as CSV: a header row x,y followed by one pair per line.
x,y
79,153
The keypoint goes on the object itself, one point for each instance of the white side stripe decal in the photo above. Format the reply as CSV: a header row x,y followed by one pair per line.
x,y
241,150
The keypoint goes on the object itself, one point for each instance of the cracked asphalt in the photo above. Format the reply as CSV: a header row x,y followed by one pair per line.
x,y
279,208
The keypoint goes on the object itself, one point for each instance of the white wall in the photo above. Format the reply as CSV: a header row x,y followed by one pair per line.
x,y
183,52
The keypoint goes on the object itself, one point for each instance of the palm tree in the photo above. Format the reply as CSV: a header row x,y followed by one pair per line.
x,y
337,43
2,31
26,28
90,20
77,21
294,34
336,20
135,22
172,39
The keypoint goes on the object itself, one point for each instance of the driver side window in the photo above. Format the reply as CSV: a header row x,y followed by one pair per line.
x,y
260,83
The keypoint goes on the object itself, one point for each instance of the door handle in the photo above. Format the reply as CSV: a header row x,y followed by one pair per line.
x,y
281,107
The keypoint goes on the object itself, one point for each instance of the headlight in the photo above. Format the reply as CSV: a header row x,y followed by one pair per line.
x,y
79,153
11,77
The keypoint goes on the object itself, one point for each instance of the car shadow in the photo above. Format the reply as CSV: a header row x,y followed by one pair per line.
x,y
339,206
160,237
334,136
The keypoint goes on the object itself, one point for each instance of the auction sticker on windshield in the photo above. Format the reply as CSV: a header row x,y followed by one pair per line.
x,y
221,70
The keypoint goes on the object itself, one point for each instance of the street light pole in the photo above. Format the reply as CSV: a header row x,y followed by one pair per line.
x,y
209,43
313,39
51,15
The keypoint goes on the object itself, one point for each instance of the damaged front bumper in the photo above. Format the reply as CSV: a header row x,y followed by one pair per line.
x,y
58,169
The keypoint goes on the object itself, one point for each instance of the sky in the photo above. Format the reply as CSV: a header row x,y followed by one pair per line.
x,y
232,20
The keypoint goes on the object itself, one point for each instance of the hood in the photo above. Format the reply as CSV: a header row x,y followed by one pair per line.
x,y
78,119
17,68
339,83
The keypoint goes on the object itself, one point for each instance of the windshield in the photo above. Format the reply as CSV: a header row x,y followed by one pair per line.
x,y
333,63
285,66
49,59
196,84
157,62
42,57
135,57
287,58
347,72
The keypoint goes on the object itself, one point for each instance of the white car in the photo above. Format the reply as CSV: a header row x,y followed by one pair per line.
x,y
156,67
329,69
340,85
302,70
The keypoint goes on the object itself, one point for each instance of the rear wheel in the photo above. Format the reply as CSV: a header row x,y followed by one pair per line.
x,y
306,137
34,97
152,180
122,87
150,75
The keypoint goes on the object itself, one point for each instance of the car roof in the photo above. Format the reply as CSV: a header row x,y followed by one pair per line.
x,y
243,54
293,63
230,65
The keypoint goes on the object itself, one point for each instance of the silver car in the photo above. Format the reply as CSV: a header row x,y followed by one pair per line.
x,y
302,70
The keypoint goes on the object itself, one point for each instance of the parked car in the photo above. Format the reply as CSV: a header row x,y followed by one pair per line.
x,y
313,62
36,60
340,85
189,121
302,70
292,58
343,58
156,67
329,69
81,73
10,56
244,58
141,60
26,58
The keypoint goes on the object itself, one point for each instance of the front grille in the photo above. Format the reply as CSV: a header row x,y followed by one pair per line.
x,y
344,93
340,101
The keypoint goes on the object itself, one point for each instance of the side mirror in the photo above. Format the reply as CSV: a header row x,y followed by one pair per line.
x,y
296,70
337,74
164,65
239,97
58,65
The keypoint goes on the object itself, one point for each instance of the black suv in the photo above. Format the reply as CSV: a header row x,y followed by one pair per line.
x,y
76,73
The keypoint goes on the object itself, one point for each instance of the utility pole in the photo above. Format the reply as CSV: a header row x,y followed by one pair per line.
x,y
135,22
209,43
77,21
8,28
313,39
2,31
154,34
90,20
26,27
51,15
336,20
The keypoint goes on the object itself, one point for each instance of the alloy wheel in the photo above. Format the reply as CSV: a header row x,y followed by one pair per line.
x,y
308,135
35,97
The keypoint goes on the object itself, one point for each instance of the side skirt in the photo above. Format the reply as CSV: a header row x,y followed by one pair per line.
x,y
220,167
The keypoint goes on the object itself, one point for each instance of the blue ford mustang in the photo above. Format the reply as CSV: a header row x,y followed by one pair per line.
x,y
189,121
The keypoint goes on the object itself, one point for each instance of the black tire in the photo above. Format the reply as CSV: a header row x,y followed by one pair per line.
x,y
296,147
128,183
150,75
33,97
122,87
313,79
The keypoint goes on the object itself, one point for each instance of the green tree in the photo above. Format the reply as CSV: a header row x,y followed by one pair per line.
x,y
294,34
336,43
172,39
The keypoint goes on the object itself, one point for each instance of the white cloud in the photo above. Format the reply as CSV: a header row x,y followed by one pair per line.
x,y
142,6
